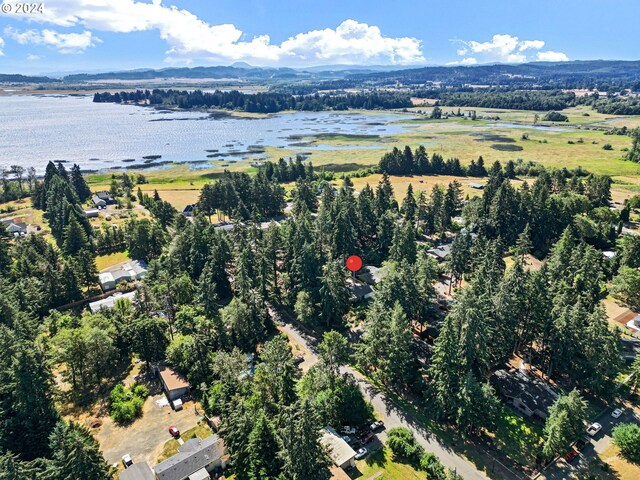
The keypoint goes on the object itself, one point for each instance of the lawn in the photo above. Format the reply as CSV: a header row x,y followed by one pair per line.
x,y
517,438
381,464
171,447
105,261
621,468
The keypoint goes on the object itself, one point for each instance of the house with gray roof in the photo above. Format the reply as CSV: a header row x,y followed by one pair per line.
x,y
195,460
128,271
440,253
137,471
525,391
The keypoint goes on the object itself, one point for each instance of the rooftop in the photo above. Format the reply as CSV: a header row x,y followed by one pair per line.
x,y
192,457
339,450
137,471
441,251
172,379
532,391
109,302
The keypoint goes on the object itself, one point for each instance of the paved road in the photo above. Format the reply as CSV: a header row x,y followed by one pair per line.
x,y
562,470
395,417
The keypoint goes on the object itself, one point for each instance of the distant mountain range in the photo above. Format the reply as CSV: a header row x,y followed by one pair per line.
x,y
575,74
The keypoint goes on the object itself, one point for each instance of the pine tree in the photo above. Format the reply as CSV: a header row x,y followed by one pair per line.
x,y
79,184
262,447
76,454
409,206
334,294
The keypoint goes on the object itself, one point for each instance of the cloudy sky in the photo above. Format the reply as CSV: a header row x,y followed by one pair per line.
x,y
94,35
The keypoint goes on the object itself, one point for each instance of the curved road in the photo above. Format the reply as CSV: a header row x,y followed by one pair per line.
x,y
394,416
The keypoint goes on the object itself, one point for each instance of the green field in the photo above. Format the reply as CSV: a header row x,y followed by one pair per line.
x,y
514,136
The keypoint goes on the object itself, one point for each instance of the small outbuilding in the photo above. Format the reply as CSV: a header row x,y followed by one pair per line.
x,y
340,452
92,213
173,383
477,186
189,210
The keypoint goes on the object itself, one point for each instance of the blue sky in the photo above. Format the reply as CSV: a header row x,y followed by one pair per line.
x,y
98,35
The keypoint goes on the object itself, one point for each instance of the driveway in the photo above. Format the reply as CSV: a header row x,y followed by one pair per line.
x,y
395,417
598,444
145,437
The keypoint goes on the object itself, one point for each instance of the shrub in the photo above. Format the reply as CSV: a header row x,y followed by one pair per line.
x,y
127,403
607,146
555,117
626,437
403,444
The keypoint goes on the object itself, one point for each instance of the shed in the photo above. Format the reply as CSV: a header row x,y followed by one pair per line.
x,y
173,383
137,471
92,213
477,186
341,453
189,210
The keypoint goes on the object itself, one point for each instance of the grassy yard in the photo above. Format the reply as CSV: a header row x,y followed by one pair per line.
x,y
381,464
516,438
621,468
171,447
105,261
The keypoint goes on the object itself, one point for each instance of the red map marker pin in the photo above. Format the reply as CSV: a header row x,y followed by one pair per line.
x,y
354,263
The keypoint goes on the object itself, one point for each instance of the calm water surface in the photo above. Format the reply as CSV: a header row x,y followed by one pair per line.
x,y
37,128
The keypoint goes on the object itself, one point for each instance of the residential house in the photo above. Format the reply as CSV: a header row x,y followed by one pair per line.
x,y
525,391
340,452
98,202
173,383
196,459
359,290
128,271
371,275
109,302
629,347
106,197
189,210
16,229
440,252
137,471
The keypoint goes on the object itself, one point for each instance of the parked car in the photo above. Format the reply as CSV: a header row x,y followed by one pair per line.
x,y
368,438
175,433
616,413
346,438
375,426
581,443
126,460
593,429
571,456
298,359
361,453
347,430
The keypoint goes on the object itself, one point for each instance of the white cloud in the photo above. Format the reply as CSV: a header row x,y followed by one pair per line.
x,y
191,38
531,44
1,45
505,48
63,42
31,57
550,56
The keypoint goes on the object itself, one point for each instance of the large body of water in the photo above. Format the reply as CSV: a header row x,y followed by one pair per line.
x,y
37,128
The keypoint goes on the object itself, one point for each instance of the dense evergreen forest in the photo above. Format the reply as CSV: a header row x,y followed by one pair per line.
x,y
211,296
266,102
